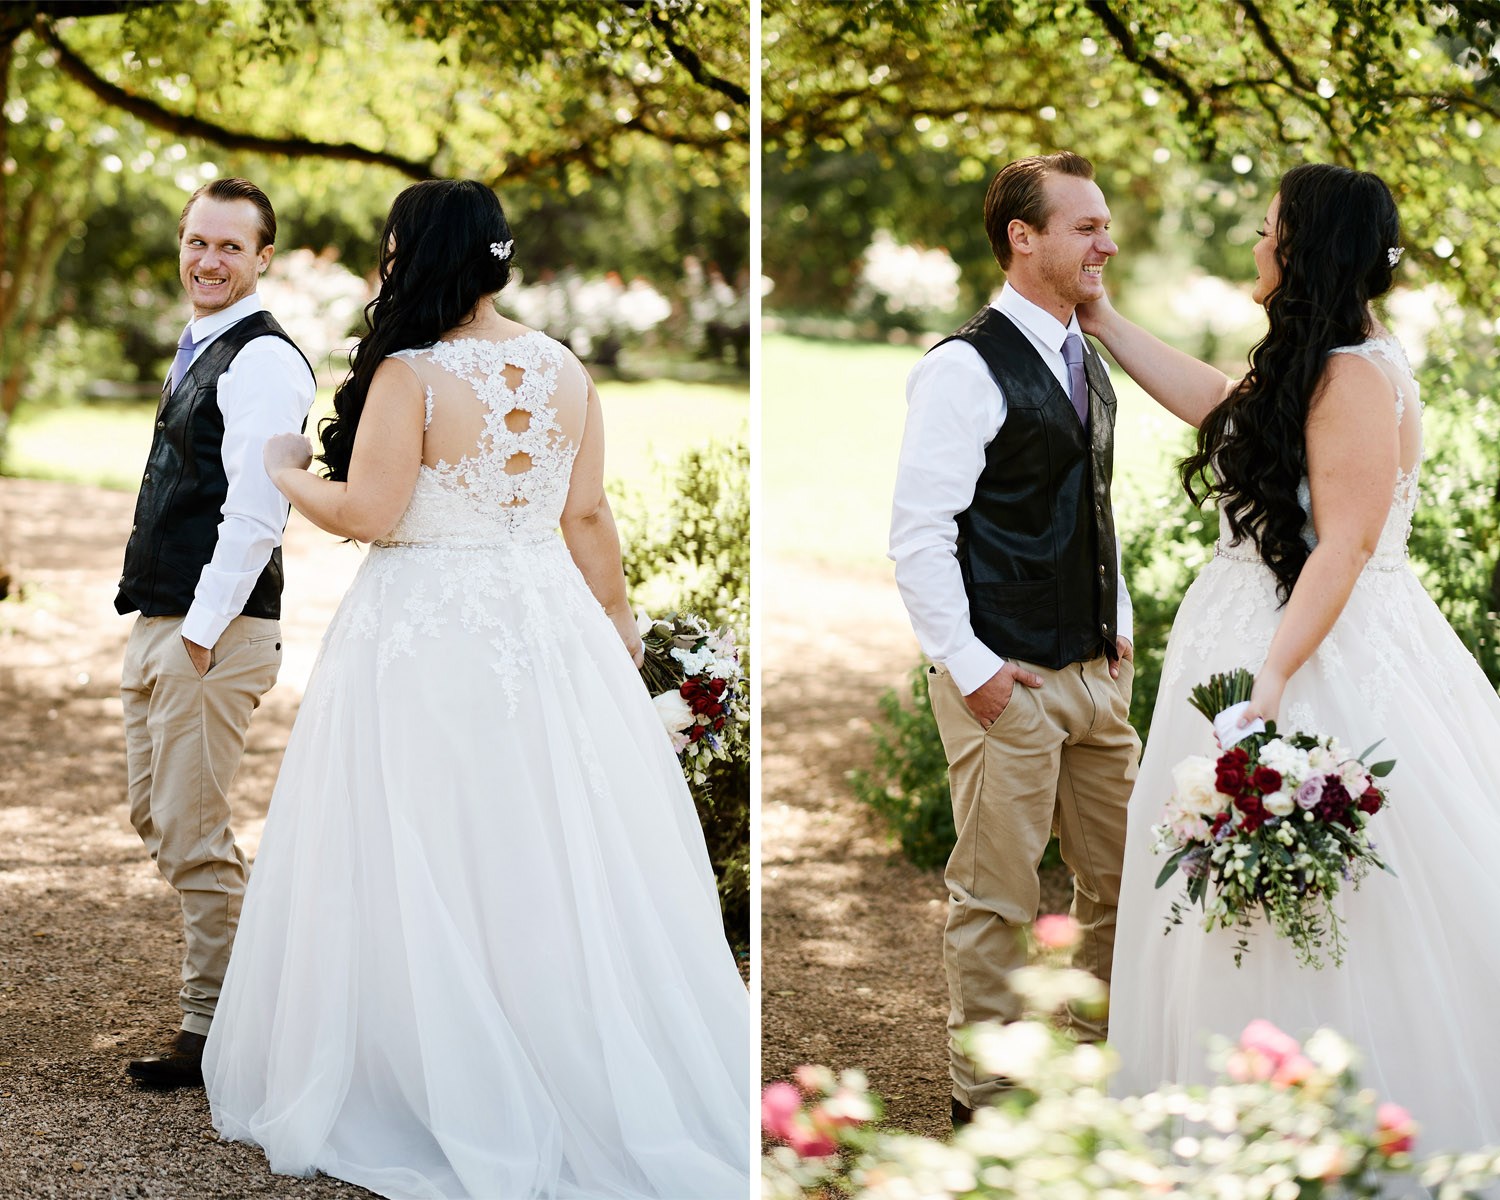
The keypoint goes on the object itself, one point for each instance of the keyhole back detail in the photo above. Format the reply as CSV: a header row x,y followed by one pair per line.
x,y
504,419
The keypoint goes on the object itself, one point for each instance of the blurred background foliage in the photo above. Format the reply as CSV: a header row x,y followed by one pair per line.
x,y
616,135
884,122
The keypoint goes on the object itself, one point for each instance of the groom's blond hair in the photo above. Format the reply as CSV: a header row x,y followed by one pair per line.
x,y
1017,194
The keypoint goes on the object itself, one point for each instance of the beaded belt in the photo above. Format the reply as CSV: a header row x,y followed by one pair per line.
x,y
1223,551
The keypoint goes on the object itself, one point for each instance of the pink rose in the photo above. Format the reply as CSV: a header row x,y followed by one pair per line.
x,y
779,1105
810,1143
1292,1069
1395,1131
1262,1037
1056,931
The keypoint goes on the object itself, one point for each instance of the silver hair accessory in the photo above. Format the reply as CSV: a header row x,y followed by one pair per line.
x,y
1393,255
501,250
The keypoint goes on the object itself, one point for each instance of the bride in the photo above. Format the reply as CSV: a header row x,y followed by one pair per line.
x,y
481,951
1313,458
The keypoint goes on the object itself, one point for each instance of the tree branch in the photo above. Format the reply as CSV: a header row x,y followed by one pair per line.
x,y
688,57
183,125
1131,49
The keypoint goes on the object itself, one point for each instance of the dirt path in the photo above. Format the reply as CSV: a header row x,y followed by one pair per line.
x,y
90,935
851,933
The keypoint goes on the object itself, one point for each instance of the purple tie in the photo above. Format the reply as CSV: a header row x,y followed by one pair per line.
x,y
1078,389
184,358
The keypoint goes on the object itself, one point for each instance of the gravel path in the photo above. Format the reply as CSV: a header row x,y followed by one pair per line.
x,y
90,935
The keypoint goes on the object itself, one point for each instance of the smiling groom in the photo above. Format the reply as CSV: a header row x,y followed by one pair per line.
x,y
203,568
1003,537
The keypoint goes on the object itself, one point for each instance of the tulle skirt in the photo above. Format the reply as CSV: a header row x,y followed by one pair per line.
x,y
480,953
1416,991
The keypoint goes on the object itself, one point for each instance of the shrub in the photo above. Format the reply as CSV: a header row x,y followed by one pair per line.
x,y
695,557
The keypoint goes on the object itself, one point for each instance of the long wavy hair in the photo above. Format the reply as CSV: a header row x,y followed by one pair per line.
x,y
1334,229
435,266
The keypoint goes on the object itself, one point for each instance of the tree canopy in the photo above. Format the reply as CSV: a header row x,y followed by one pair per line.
x,y
892,114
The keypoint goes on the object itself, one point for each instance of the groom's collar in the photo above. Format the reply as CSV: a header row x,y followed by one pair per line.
x,y
214,324
1041,324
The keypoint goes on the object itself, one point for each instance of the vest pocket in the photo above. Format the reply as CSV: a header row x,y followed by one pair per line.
x,y
1014,599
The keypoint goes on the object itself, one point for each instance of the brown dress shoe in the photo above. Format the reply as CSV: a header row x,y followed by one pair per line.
x,y
962,1113
181,1066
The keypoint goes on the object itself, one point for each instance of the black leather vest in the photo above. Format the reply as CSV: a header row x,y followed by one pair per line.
x,y
1037,544
178,510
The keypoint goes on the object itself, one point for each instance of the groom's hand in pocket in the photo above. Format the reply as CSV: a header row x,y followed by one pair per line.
x,y
990,699
1126,653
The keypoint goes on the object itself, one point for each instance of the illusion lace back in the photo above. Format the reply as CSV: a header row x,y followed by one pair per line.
x,y
512,485
481,951
1413,991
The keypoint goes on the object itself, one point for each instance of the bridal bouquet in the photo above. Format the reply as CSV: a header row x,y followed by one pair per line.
x,y
1278,823
693,674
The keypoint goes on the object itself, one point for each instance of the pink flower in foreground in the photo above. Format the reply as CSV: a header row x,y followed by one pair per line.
x,y
1292,1069
779,1105
1261,1037
1056,931
810,1143
1395,1131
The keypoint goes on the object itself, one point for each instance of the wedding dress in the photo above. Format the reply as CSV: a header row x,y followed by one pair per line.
x,y
481,952
1416,992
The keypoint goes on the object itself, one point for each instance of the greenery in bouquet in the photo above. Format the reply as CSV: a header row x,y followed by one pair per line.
x,y
1286,1120
1275,825
696,683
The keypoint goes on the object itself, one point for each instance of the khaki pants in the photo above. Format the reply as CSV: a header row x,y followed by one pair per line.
x,y
184,737
1059,758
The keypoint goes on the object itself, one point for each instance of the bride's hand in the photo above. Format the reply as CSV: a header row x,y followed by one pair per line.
x,y
624,622
1265,698
1095,316
286,451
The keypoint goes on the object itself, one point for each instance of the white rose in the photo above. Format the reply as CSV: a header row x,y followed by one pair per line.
x,y
1354,776
1321,759
1278,804
673,711
1193,782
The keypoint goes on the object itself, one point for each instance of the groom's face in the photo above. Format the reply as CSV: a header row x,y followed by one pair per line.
x,y
1068,256
220,258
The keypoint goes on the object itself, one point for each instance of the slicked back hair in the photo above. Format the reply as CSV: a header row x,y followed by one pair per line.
x,y
230,188
1017,194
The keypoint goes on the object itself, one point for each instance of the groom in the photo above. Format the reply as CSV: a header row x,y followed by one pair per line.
x,y
203,568
1004,542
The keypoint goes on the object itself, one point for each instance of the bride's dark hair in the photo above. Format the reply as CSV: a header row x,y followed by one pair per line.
x,y
435,265
1334,230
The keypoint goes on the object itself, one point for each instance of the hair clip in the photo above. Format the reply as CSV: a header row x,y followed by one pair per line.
x,y
501,250
1393,255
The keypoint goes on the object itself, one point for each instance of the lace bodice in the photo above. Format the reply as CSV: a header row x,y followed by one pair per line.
x,y
513,486
1390,552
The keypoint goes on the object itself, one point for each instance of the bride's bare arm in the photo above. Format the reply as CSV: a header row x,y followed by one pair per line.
x,y
382,467
1185,387
588,527
1352,458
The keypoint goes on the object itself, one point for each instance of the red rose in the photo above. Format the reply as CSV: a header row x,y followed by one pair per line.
x,y
1335,802
1229,778
1266,780
719,723
696,732
1239,755
716,686
1219,822
1371,801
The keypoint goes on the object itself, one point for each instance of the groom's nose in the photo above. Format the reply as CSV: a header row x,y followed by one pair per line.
x,y
1106,245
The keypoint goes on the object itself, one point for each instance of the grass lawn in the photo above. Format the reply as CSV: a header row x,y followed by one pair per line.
x,y
831,421
645,424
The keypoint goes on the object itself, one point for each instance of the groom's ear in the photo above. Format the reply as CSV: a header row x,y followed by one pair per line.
x,y
1019,234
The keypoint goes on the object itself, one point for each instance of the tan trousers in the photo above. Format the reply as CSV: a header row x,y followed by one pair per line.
x,y
1061,758
184,737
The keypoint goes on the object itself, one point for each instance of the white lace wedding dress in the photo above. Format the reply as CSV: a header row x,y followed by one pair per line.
x,y
481,952
1417,989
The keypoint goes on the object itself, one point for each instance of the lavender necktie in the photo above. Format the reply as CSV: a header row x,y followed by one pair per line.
x,y
184,358
1078,383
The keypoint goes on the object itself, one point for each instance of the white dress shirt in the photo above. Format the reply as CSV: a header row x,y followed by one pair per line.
x,y
267,390
954,410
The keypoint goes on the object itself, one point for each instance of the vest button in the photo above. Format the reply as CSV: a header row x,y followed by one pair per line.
x,y
1104,629
1101,568
146,477
161,424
